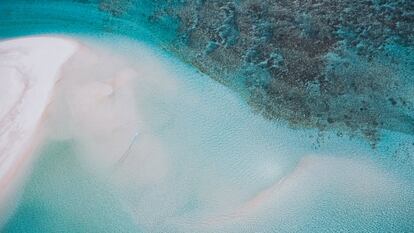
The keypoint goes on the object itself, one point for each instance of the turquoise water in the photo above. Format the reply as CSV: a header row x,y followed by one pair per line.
x,y
63,197
215,142
19,18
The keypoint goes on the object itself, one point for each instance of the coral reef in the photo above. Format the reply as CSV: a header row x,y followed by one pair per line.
x,y
333,65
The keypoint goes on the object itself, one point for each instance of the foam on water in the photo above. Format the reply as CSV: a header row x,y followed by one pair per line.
x,y
139,142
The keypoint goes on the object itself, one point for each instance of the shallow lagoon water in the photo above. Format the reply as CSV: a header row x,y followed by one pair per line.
x,y
144,143
137,141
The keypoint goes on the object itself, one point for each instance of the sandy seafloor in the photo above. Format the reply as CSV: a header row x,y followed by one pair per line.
x,y
110,140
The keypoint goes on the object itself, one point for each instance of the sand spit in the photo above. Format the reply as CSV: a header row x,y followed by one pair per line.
x,y
29,69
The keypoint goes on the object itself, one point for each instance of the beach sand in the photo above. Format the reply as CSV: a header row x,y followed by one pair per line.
x,y
29,69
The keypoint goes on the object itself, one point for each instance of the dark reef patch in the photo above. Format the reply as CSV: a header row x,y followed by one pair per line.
x,y
331,65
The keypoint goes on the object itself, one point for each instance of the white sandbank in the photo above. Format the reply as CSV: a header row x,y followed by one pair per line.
x,y
29,69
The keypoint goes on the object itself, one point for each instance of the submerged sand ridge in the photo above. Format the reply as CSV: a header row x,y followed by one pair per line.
x,y
183,154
